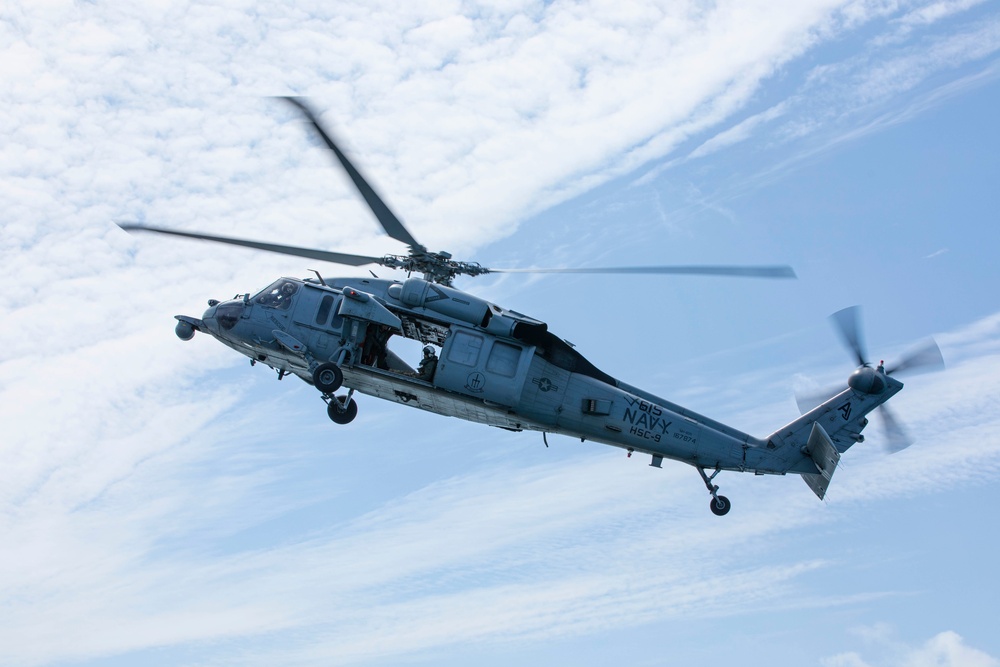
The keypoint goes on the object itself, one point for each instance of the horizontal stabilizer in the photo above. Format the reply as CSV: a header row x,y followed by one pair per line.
x,y
820,449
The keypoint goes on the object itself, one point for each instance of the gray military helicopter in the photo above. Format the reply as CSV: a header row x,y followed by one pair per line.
x,y
505,369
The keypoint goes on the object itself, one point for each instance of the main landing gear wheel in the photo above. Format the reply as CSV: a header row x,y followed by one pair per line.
x,y
342,410
328,377
720,505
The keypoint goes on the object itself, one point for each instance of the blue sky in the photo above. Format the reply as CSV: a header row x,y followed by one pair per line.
x,y
164,504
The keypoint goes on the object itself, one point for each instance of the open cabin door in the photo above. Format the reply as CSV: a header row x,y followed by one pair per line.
x,y
480,365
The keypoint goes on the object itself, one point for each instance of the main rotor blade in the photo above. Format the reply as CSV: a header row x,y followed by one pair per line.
x,y
924,359
897,439
323,255
735,271
848,325
390,223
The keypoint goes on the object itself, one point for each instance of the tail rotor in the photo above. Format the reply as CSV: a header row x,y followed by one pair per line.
x,y
924,358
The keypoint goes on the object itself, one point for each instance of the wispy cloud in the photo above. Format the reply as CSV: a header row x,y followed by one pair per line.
x,y
853,96
936,11
151,495
738,132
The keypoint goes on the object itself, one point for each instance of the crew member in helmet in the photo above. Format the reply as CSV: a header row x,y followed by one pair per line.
x,y
427,366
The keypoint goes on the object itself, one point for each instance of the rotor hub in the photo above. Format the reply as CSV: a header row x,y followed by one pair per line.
x,y
867,380
435,267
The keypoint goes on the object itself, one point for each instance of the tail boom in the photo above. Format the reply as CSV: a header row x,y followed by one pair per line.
x,y
811,445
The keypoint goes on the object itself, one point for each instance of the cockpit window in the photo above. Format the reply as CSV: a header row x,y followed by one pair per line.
x,y
278,295
228,314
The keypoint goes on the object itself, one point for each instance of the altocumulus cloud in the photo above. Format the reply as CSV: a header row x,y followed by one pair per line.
x,y
127,484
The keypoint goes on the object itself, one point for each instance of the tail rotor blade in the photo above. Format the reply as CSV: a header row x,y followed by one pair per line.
x,y
924,359
848,325
897,439
808,399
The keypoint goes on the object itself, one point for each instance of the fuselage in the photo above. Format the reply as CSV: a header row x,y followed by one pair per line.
x,y
496,367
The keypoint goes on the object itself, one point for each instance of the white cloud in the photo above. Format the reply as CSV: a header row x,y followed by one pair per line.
x,y
134,489
529,111
936,11
946,649
738,132
848,98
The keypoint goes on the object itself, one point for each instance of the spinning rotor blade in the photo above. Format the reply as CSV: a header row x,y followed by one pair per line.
x,y
323,255
897,439
848,325
436,267
737,271
390,223
924,359
809,399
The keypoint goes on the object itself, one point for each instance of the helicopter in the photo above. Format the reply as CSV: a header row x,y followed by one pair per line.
x,y
502,368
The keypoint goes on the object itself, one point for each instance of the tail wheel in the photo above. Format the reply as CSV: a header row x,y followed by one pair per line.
x,y
720,505
328,377
341,413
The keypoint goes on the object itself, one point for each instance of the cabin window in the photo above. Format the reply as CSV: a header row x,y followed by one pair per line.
x,y
323,314
465,348
337,323
503,359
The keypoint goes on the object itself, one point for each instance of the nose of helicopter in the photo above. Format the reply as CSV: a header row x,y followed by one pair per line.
x,y
209,318
210,322
222,316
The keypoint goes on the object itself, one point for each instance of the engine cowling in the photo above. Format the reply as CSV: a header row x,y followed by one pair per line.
x,y
419,293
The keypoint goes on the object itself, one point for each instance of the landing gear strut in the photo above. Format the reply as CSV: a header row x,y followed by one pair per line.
x,y
719,505
342,409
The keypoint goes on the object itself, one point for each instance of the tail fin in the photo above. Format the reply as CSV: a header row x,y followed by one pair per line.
x,y
811,445
826,457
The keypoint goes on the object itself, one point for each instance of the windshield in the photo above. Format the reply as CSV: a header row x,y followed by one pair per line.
x,y
228,314
278,294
